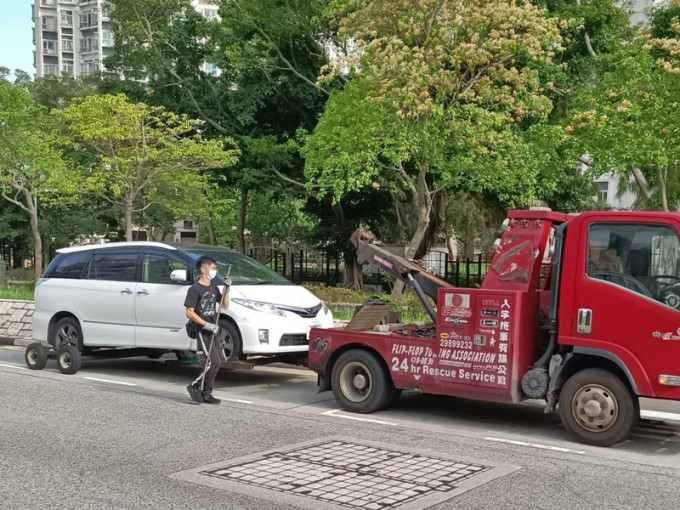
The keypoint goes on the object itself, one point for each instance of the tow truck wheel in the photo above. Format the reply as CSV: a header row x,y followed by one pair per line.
x,y
36,356
359,382
68,359
597,407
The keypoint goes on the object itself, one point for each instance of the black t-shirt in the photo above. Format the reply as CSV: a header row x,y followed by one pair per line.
x,y
204,300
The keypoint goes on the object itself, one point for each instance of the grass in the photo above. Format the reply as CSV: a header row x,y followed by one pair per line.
x,y
24,292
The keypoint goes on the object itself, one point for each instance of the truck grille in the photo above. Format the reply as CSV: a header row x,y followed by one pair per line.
x,y
290,340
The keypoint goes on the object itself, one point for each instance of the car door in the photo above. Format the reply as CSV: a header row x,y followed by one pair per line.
x,y
106,298
159,304
628,298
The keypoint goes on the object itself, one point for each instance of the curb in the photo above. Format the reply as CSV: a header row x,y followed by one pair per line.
x,y
16,342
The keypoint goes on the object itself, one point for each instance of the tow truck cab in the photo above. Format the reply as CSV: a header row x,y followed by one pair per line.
x,y
580,310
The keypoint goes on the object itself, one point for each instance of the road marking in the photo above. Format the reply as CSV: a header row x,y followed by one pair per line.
x,y
356,418
13,366
109,381
535,445
237,400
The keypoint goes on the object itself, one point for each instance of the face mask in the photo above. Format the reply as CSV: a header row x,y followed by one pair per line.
x,y
212,273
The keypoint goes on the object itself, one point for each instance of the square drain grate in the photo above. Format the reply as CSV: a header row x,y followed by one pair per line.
x,y
341,473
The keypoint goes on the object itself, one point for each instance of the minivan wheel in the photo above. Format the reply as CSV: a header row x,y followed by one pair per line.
x,y
231,340
67,332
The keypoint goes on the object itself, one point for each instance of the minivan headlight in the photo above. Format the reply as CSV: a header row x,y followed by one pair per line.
x,y
259,306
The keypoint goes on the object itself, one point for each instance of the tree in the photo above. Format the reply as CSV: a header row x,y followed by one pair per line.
x,y
29,162
266,59
629,123
437,91
138,152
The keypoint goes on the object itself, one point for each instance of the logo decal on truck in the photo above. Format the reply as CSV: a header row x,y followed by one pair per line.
x,y
320,345
489,323
668,335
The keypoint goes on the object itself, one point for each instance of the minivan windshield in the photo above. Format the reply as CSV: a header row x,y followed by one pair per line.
x,y
244,270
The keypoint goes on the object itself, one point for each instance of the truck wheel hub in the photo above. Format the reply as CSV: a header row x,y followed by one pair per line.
x,y
360,381
595,408
355,381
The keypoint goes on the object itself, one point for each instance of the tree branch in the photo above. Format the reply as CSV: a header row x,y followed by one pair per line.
x,y
641,181
586,37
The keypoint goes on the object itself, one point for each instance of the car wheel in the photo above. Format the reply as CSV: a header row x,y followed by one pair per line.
x,y
67,332
68,359
360,383
36,356
597,408
231,340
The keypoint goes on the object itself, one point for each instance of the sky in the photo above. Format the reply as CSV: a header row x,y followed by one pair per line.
x,y
16,35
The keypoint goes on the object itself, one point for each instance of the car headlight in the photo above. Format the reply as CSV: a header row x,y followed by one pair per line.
x,y
259,306
325,307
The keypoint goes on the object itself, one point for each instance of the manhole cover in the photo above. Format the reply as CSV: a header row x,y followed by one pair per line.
x,y
340,473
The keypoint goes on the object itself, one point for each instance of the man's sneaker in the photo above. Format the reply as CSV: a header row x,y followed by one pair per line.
x,y
195,394
209,399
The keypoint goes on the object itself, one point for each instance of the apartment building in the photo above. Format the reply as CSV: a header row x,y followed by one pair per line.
x,y
71,36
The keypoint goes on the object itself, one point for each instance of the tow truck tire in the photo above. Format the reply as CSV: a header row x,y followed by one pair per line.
x,y
360,383
68,359
36,356
597,408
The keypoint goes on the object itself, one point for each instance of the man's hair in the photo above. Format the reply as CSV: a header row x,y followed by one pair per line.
x,y
205,261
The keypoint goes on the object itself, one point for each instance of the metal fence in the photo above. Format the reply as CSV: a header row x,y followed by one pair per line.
x,y
314,266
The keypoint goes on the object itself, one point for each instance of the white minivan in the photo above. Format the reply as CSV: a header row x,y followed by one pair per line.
x,y
132,295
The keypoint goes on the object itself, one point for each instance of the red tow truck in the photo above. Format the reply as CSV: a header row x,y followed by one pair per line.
x,y
580,311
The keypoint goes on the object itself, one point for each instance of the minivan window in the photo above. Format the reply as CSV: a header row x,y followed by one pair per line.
x,y
68,265
157,269
244,270
121,267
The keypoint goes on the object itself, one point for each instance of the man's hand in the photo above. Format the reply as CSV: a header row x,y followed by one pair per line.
x,y
213,328
227,284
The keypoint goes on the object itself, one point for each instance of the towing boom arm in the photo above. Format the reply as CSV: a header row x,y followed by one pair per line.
x,y
371,251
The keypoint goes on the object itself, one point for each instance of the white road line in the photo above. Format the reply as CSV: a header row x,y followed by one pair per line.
x,y
109,381
13,366
535,445
356,418
237,400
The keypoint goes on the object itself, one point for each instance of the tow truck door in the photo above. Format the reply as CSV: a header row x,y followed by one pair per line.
x,y
626,295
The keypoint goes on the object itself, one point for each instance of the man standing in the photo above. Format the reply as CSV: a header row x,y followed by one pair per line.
x,y
201,304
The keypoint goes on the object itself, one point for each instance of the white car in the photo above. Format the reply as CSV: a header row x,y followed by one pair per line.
x,y
132,295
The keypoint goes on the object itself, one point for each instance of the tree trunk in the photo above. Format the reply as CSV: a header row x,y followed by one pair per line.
x,y
662,188
37,240
353,276
289,261
241,227
127,217
423,203
211,230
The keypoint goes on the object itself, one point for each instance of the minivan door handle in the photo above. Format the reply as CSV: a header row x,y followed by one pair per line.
x,y
585,320
126,291
142,292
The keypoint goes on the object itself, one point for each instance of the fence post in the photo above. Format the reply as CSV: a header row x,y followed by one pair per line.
x,y
479,269
467,271
457,273
292,266
337,269
276,261
250,253
446,266
328,269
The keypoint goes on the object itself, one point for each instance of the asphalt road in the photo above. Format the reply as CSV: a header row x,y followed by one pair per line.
x,y
114,436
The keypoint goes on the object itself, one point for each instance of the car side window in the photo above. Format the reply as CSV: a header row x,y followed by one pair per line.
x,y
157,268
121,267
640,257
69,265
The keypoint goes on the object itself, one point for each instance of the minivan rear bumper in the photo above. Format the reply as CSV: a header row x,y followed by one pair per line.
x,y
40,325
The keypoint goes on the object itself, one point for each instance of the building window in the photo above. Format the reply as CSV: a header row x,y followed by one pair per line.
x,y
603,194
67,67
210,69
49,47
49,23
67,43
47,3
87,68
89,44
188,224
106,11
67,19
210,14
88,19
107,38
50,69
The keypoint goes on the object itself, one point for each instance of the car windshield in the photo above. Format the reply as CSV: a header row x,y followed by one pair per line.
x,y
244,270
